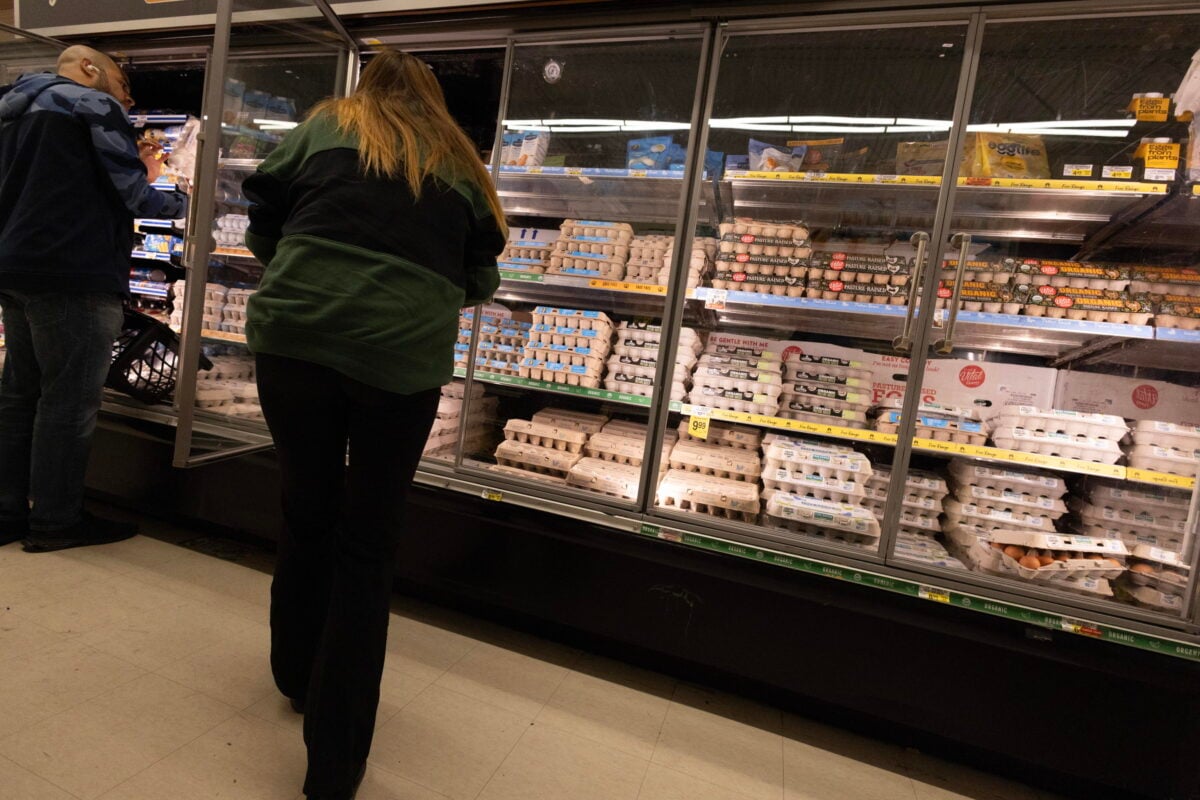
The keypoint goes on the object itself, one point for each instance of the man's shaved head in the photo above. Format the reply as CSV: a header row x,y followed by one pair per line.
x,y
76,54
89,67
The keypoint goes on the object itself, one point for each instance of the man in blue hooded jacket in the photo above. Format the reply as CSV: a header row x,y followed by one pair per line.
x,y
72,179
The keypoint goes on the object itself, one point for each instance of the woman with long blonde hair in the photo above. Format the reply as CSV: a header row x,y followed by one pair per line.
x,y
377,222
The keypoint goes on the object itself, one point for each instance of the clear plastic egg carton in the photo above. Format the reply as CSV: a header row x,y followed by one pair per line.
x,y
1092,305
979,296
617,446
972,494
830,374
1073,275
1158,568
1072,423
521,430
821,414
1036,482
707,494
606,477
746,397
713,459
531,457
848,404
776,266
567,418
1171,460
1061,445
726,434
800,513
1062,556
857,292
1165,281
595,230
552,372
841,465
993,518
1166,434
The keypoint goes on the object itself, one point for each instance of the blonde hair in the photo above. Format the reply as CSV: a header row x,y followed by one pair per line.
x,y
399,115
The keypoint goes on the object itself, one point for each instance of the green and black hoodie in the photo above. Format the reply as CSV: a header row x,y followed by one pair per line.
x,y
361,276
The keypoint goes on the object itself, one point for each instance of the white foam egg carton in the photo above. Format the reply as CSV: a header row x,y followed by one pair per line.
x,y
1072,423
572,441
1061,445
597,230
842,465
812,483
1171,460
538,370
568,355
734,400
844,518
1024,481
567,418
994,518
713,459
1051,507
606,477
822,414
1150,597
599,340
519,472
617,446
708,494
1166,434
609,248
531,457
726,434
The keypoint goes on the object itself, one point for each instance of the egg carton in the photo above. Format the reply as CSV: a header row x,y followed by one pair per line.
x,y
746,379
534,266
606,477
991,517
643,369
709,392
1154,598
1166,434
912,517
238,297
841,406
550,372
1176,311
1162,519
1165,280
642,273
244,392
592,230
685,351
528,474
1050,507
816,391
822,414
1012,437
617,447
1168,504
213,396
813,484
1000,478
683,355
759,284
240,410
928,558
608,249
457,389
1072,423
600,340
1097,524
1056,571
531,457
567,355
826,375
642,387
883,270
215,292
1064,542
776,246
742,226
857,292
567,439
1073,275
723,344
938,429
708,494
726,434
651,245
1171,460
694,279
587,267
644,333
842,465
980,269
800,443
572,318
915,499
921,482
229,368
1171,581
567,418
777,266
713,459
1087,304
527,250
737,362
810,512
980,296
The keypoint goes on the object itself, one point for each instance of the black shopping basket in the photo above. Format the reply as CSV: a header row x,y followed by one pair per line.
x,y
145,359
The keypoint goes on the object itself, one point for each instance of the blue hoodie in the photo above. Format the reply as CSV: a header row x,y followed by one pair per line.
x,y
71,184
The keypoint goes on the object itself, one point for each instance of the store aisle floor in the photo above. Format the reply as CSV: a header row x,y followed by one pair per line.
x,y
138,671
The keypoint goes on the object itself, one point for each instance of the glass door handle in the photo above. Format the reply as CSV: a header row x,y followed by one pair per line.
x,y
903,343
944,345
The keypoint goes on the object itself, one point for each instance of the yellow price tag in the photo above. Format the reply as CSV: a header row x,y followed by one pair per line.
x,y
936,595
493,495
698,427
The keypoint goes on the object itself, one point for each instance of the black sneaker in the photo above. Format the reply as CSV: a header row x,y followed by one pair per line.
x,y
297,704
13,531
88,531
342,795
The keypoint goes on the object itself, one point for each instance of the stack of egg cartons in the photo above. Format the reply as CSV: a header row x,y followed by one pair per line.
x,y
825,390
229,388
634,359
647,257
1166,447
1055,432
763,256
1152,523
567,346
613,462
540,449
443,437
231,230
591,249
719,478
233,315
1174,292
937,422
704,254
818,489
528,250
214,306
924,495
737,374
501,346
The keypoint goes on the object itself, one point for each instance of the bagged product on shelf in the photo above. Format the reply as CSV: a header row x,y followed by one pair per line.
x,y
819,155
707,494
1006,155
534,146
921,158
651,152
766,157
1093,305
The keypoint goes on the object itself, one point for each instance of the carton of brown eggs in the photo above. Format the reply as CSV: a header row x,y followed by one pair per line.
x,y
990,298
1175,311
1161,569
584,230
1055,557
1092,305
763,237
810,514
533,458
567,418
785,286
995,271
606,477
713,459
1072,274
1155,598
877,268
542,435
837,289
777,266
707,494
1181,281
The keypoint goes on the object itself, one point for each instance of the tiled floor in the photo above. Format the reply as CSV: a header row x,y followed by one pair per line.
x,y
138,671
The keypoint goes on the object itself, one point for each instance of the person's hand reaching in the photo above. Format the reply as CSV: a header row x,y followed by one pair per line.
x,y
152,155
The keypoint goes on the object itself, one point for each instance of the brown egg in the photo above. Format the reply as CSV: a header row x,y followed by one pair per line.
x,y
1030,561
1112,562
1012,551
1095,557
997,546
1062,556
1045,560
1145,569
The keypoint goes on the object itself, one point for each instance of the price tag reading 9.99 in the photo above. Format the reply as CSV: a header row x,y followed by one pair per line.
x,y
698,422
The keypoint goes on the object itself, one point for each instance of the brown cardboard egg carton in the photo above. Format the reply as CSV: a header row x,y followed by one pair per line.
x,y
1171,460
617,446
595,229
991,517
568,336
606,477
583,319
571,356
567,439
1176,311
809,512
552,372
608,249
726,434
979,296
893,294
748,226
1092,305
527,474
981,269
1158,568
776,266
1072,275
601,267
1182,282
1154,598
713,459
566,418
841,465
1007,498
1071,423
821,414
1061,445
1030,481
868,268
533,458
708,494
759,284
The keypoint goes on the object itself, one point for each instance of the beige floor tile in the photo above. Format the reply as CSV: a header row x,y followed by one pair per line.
x,y
237,671
155,638
424,650
611,703
504,678
18,782
223,584
934,779
112,602
380,784
396,690
121,557
243,758
34,580
820,772
100,743
20,637
663,783
724,740
447,742
549,764
56,678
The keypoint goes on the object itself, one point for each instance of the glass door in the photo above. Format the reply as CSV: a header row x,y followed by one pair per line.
x,y
1059,401
832,183
267,71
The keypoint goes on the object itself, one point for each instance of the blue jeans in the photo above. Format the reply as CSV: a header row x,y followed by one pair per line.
x,y
59,349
